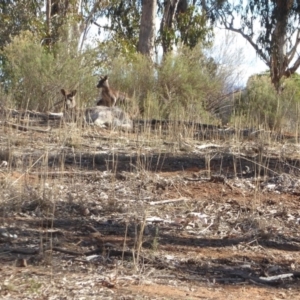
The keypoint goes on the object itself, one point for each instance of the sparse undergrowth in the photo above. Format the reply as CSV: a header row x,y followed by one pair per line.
x,y
147,214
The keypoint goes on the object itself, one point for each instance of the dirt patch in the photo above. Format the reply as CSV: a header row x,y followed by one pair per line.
x,y
116,216
192,292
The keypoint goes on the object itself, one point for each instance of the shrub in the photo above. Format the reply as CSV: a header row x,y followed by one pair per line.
x,y
180,87
261,105
184,85
34,76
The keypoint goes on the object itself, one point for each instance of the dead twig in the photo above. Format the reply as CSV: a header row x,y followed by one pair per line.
x,y
168,201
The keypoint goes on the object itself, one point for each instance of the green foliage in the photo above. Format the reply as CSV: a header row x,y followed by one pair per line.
x,y
193,28
63,23
291,87
17,16
186,81
124,17
189,28
262,106
268,14
34,76
180,87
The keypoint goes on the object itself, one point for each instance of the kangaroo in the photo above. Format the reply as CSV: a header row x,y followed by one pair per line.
x,y
69,105
101,116
69,100
109,97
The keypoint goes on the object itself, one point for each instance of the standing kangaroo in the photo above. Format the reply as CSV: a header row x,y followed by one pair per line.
x,y
109,97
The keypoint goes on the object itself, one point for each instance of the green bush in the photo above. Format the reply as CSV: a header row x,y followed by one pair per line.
x,y
34,76
180,87
261,106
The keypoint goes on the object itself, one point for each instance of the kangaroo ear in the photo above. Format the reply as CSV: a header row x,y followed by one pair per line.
x,y
63,92
105,77
73,93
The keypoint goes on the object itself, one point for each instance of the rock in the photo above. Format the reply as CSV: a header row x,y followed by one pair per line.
x,y
113,117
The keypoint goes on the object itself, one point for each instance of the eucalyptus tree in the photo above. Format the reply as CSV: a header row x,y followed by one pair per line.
x,y
182,21
17,16
272,28
147,28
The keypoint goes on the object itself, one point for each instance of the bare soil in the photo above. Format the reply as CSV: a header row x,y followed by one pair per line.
x,y
100,214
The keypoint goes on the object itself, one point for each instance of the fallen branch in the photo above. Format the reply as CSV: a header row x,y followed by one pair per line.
x,y
60,173
208,146
168,201
276,277
26,128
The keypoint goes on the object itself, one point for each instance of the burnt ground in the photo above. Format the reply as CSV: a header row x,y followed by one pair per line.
x,y
99,214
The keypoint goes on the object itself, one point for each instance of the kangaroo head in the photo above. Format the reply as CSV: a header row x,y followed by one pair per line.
x,y
103,82
69,98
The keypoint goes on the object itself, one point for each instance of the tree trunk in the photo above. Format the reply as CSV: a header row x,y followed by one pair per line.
x,y
279,60
167,24
48,16
47,40
147,28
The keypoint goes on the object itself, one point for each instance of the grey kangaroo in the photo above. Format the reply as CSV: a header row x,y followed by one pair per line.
x,y
101,116
109,97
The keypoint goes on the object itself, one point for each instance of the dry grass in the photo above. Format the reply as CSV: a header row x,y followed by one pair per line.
x,y
89,213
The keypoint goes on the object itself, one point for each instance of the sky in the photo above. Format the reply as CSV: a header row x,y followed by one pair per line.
x,y
252,63
233,50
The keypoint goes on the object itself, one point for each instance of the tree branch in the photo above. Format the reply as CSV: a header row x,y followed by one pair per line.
x,y
248,38
88,21
293,51
293,69
229,26
100,26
